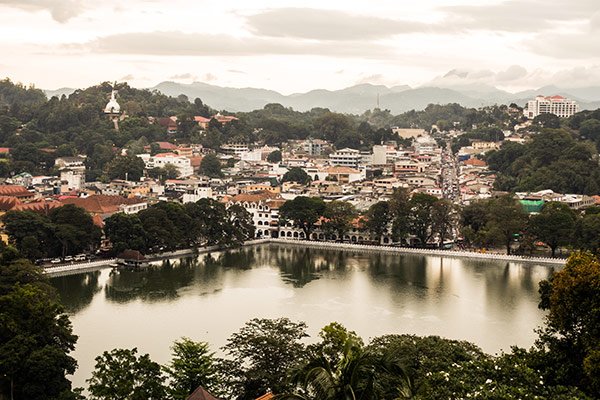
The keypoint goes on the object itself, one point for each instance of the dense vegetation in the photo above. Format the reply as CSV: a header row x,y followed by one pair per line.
x,y
66,230
170,226
553,159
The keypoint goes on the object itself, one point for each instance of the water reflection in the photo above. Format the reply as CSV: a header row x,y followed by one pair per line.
x,y
493,304
77,291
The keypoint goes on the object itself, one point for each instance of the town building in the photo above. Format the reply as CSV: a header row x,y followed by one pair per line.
x,y
183,164
557,105
345,158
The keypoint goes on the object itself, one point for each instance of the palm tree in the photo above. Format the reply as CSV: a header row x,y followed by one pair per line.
x,y
353,375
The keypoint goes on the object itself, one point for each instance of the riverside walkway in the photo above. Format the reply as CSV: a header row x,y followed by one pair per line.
x,y
74,268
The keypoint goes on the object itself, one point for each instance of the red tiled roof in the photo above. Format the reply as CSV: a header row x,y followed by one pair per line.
x,y
166,145
254,197
201,394
100,204
266,396
8,203
475,162
201,119
41,207
15,191
196,161
4,149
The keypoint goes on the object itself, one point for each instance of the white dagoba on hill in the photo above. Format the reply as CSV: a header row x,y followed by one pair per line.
x,y
113,109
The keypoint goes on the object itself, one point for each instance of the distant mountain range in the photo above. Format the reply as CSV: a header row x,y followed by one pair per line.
x,y
359,98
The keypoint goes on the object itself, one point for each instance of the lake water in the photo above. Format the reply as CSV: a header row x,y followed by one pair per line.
x,y
490,303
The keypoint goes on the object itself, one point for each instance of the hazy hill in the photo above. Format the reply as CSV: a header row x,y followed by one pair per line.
x,y
357,99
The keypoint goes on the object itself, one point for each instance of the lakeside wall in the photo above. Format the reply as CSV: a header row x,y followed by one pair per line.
x,y
419,251
75,268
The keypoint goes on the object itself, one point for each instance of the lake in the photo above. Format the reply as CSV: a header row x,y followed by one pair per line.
x,y
206,298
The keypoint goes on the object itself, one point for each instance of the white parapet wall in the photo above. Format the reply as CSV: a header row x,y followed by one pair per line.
x,y
93,265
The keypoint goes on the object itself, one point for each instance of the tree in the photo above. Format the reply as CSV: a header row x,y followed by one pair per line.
x,y
125,167
378,218
192,365
26,228
125,231
588,232
340,215
554,225
211,166
260,355
570,340
443,219
35,336
341,368
304,212
240,224
209,222
547,120
506,219
274,156
297,175
121,374
421,216
74,228
399,208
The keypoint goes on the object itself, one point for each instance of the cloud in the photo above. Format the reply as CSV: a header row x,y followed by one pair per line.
x,y
236,71
511,73
307,23
585,45
466,77
372,79
61,11
520,15
208,77
184,76
200,44
128,77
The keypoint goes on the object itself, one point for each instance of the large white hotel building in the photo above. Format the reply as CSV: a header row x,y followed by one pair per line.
x,y
557,105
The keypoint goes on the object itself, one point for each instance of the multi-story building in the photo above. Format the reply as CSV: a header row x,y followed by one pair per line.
x,y
183,164
345,158
557,105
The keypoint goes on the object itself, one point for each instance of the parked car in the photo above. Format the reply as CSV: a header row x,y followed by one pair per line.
x,y
68,258
55,261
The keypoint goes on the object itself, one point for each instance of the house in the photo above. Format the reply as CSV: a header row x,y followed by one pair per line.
x,y
132,259
201,394
169,123
105,206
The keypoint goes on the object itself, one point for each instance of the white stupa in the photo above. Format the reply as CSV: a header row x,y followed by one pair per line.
x,y
113,109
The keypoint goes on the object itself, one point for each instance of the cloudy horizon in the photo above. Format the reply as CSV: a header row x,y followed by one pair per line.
x,y
296,46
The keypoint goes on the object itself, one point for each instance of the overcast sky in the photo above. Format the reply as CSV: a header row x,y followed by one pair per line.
x,y
294,46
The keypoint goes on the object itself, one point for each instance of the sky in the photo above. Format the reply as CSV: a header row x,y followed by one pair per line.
x,y
295,46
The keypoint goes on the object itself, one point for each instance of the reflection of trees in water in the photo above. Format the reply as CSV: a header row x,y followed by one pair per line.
x,y
244,258
509,282
402,272
76,291
301,265
155,283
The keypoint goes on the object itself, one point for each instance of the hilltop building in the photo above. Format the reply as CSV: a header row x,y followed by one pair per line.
x,y
113,109
557,105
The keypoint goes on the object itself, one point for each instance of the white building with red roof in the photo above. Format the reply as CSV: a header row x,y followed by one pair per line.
x,y
183,164
557,105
